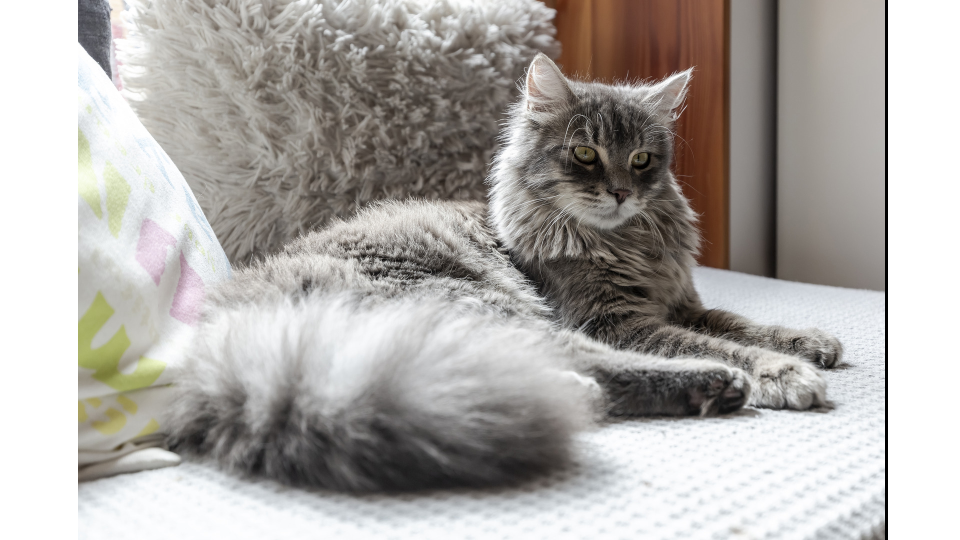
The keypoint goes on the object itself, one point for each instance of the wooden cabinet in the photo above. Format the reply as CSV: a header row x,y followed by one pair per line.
x,y
608,40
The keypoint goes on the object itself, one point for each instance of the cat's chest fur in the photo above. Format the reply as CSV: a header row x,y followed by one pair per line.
x,y
619,273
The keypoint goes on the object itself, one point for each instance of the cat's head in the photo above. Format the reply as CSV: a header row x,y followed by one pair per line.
x,y
590,155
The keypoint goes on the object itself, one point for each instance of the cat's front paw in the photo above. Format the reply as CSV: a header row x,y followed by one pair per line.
x,y
674,387
785,382
816,346
718,391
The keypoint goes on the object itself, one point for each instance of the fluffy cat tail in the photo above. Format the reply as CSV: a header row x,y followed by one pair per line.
x,y
324,392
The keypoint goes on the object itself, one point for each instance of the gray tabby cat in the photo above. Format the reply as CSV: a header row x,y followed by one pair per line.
x,y
429,344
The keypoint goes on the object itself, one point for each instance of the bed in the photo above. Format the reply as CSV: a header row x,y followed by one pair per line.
x,y
753,474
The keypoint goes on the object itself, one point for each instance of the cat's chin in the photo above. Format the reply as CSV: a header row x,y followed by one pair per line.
x,y
606,222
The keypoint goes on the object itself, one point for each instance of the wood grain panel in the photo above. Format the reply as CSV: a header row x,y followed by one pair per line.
x,y
610,40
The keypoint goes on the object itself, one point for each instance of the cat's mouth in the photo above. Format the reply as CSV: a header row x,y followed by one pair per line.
x,y
596,212
609,216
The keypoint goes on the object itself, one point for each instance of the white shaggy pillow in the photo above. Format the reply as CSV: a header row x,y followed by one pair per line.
x,y
281,114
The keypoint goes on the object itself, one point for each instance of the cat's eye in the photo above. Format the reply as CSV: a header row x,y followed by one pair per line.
x,y
585,154
640,160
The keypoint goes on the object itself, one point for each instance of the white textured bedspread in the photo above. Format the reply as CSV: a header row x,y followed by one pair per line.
x,y
755,474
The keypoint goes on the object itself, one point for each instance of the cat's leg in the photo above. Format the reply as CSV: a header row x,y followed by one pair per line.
x,y
810,344
780,381
632,384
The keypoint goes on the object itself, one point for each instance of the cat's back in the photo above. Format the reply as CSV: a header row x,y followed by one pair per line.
x,y
410,248
401,237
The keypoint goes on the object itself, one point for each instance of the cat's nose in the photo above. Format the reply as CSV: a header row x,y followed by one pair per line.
x,y
620,194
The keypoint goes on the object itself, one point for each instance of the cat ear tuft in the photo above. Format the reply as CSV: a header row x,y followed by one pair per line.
x,y
546,87
670,92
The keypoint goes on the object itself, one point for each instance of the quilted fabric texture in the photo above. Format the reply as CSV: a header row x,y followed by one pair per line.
x,y
755,474
145,257
281,113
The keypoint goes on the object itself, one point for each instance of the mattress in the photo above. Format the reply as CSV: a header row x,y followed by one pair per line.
x,y
753,474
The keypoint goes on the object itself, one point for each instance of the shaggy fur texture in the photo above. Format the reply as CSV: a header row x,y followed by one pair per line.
x,y
402,350
326,391
282,114
619,270
425,344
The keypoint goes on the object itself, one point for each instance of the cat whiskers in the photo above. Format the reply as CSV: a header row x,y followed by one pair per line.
x,y
543,201
539,239
675,231
563,150
568,159
666,133
644,124
563,226
561,214
574,117
539,236
547,226
653,227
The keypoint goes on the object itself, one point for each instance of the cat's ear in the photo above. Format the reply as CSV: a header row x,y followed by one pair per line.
x,y
546,87
669,93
